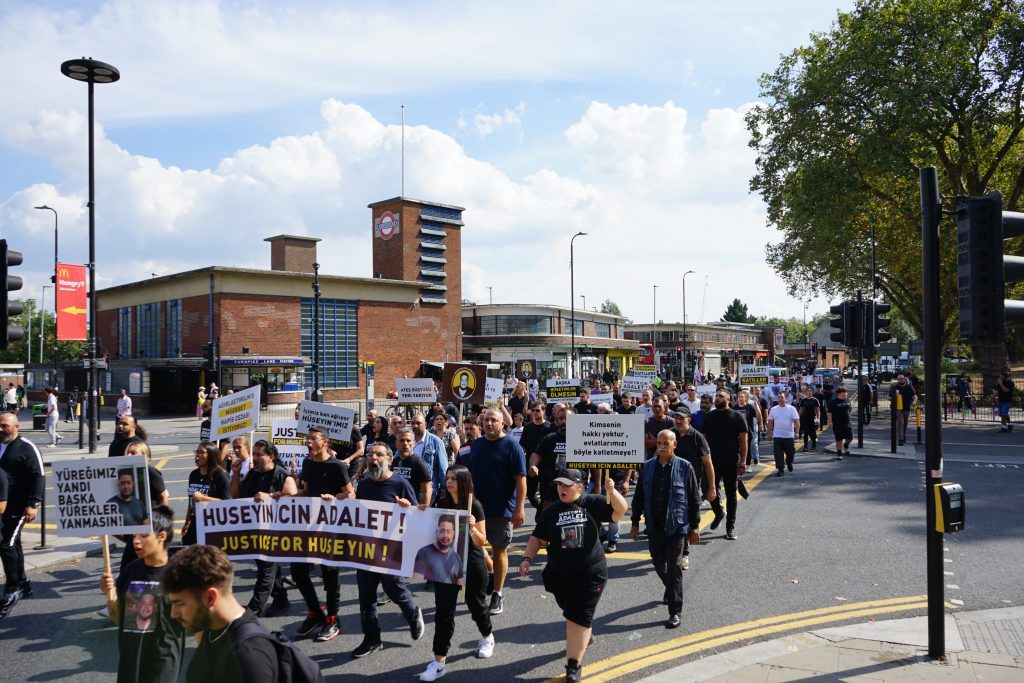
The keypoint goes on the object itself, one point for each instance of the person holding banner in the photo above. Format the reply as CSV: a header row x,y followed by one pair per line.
x,y
265,478
23,465
457,495
150,642
322,477
208,481
576,571
383,485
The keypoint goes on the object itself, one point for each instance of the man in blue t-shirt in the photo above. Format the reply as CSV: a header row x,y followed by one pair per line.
x,y
499,482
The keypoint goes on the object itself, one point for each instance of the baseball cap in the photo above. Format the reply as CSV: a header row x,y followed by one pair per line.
x,y
569,477
682,411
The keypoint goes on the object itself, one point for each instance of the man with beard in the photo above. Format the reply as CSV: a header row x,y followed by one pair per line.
x,y
533,431
584,405
655,424
412,467
198,582
625,406
692,447
548,458
23,465
381,484
726,432
126,432
133,512
438,561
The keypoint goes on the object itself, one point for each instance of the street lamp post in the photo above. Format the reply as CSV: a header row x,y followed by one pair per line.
x,y
807,340
316,331
654,333
91,71
42,322
572,307
584,297
689,272
53,278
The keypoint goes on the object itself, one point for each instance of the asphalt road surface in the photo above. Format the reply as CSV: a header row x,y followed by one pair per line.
x,y
830,544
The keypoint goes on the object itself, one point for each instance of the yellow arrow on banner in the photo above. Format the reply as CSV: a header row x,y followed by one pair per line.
x,y
74,310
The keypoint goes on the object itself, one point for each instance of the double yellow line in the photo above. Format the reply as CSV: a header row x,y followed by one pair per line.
x,y
677,648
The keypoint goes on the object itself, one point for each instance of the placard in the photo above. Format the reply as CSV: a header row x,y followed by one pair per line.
x,y
291,445
463,383
492,391
604,441
753,376
598,399
634,386
563,391
335,420
102,496
235,414
415,391
526,368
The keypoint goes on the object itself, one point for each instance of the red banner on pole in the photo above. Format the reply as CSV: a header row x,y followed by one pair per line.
x,y
72,303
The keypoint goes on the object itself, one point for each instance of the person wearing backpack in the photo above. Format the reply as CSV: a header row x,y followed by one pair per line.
x,y
234,647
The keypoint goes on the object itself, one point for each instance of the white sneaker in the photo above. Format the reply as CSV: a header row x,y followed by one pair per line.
x,y
434,671
485,648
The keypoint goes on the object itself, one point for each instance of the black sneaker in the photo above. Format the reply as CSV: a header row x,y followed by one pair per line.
x,y
329,630
497,603
10,600
573,674
719,516
779,473
382,598
416,625
612,547
730,535
789,466
673,621
367,647
279,605
312,622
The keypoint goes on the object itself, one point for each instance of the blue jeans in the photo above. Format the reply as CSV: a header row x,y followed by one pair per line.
x,y
613,532
754,450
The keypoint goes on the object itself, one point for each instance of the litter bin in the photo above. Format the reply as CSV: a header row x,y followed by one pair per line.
x,y
38,416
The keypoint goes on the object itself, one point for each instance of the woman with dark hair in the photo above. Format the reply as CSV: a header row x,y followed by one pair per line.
x,y
458,490
379,433
208,481
441,426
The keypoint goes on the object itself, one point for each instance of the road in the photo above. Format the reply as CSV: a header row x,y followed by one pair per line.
x,y
833,543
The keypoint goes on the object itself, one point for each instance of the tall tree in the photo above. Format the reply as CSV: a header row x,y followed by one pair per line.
x,y
894,86
737,313
611,307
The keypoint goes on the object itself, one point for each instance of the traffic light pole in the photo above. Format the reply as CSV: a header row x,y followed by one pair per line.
x,y
860,369
931,215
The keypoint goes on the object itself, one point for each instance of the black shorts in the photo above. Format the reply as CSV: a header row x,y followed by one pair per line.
x,y
577,594
843,431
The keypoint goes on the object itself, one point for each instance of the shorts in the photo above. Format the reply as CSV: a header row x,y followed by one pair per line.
x,y
577,595
842,432
1004,409
499,532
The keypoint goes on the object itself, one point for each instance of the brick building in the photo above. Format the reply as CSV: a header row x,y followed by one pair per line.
x,y
155,331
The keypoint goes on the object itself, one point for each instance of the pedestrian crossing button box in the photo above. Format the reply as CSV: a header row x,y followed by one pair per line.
x,y
950,508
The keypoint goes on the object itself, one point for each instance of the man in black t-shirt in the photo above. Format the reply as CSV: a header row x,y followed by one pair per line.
x,y
412,467
726,432
809,410
533,431
584,405
124,434
235,647
264,479
839,421
382,484
549,457
655,424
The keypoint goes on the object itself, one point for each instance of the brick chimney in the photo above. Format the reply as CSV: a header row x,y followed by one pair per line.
x,y
292,253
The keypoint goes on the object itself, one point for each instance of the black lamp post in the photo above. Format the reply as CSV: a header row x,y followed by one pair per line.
x,y
91,71
316,332
53,278
572,307
689,272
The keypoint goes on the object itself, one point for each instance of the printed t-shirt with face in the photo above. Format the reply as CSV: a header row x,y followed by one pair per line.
x,y
150,642
551,450
414,469
572,535
328,476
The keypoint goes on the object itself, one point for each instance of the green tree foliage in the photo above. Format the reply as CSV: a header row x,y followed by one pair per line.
x,y
17,352
737,313
850,118
793,328
610,307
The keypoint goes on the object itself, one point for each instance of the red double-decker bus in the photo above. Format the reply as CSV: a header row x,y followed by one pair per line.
x,y
646,353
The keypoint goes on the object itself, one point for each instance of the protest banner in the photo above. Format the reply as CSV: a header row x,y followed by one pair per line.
x,y
634,386
648,371
598,399
102,496
415,391
463,382
753,376
492,391
604,441
235,414
706,389
526,368
290,444
357,534
563,391
334,420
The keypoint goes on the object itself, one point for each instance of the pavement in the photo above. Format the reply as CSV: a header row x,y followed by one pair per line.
x,y
985,646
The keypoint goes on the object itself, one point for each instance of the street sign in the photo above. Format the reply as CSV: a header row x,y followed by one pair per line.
x,y
915,347
101,363
889,349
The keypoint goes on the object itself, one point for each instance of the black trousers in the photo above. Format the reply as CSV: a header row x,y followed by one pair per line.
x,y
726,475
394,588
268,584
809,431
332,586
446,598
784,450
11,554
667,556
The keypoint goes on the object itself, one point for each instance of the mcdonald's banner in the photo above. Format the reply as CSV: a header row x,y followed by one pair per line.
x,y
72,303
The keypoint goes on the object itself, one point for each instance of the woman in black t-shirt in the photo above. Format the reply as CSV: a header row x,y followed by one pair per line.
x,y
576,571
458,490
208,481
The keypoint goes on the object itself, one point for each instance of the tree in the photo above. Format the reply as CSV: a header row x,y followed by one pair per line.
x,y
894,86
17,352
610,307
793,328
737,313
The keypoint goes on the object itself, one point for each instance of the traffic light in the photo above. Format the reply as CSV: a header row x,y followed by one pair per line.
x,y
8,307
838,323
210,352
814,349
824,353
850,323
878,331
982,269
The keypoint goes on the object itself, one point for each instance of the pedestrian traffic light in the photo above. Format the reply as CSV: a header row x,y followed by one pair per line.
x,y
210,352
982,269
879,324
838,323
814,349
850,323
8,307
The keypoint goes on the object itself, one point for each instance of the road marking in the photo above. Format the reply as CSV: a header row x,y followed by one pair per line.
x,y
995,465
629,662
980,445
159,464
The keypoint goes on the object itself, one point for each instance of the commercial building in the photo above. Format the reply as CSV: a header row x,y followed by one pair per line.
x,y
717,347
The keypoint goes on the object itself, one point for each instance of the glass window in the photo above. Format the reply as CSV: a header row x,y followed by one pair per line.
x,y
172,343
147,326
602,330
518,324
339,342
124,332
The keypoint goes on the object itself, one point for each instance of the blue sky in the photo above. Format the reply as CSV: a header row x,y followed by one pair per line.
x,y
245,120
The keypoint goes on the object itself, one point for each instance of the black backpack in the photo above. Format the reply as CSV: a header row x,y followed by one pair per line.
x,y
293,665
